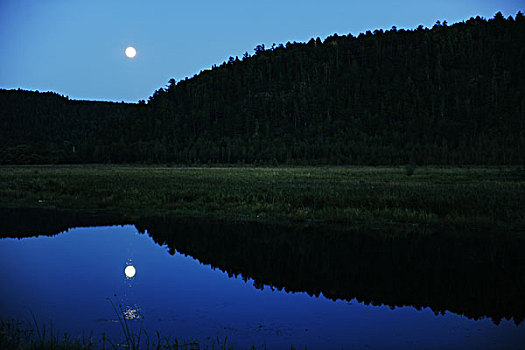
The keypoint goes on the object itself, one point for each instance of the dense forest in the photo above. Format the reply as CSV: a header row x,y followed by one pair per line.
x,y
452,94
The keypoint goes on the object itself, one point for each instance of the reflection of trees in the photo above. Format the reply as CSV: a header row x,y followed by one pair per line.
x,y
471,274
30,222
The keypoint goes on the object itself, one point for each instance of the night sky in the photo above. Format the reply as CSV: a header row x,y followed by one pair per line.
x,y
76,48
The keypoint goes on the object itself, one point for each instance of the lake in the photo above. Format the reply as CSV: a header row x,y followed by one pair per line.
x,y
263,284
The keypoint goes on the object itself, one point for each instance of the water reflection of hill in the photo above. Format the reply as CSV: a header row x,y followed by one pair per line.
x,y
473,274
468,274
31,222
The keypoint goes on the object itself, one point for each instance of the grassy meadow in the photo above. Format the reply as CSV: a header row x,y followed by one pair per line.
x,y
481,197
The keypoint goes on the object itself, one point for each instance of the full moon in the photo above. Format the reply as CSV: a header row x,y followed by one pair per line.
x,y
130,52
130,271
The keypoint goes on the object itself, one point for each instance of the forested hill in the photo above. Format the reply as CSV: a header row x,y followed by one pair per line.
x,y
446,95
49,128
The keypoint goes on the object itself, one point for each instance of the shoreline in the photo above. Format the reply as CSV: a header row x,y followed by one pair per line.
x,y
485,198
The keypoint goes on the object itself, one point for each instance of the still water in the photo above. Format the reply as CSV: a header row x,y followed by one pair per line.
x,y
66,279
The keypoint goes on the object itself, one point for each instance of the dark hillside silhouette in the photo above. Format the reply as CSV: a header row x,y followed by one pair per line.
x,y
50,128
446,95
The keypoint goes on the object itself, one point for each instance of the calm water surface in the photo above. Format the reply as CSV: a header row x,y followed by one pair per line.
x,y
67,280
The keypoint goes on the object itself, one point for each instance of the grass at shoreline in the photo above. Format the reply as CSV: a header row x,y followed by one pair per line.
x,y
486,197
19,335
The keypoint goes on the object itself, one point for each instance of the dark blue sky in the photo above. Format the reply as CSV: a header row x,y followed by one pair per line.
x,y
76,48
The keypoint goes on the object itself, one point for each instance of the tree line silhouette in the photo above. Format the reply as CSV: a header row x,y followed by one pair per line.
x,y
452,94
